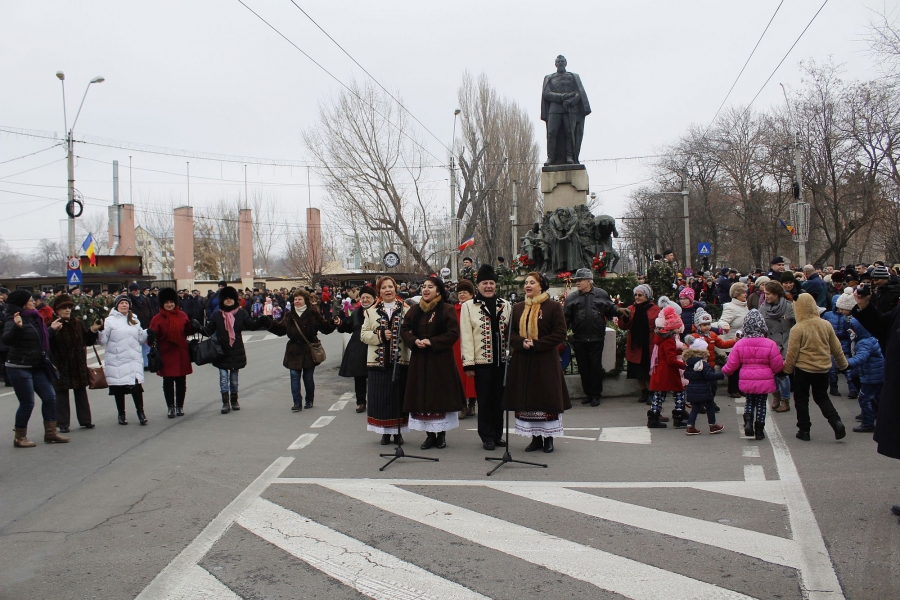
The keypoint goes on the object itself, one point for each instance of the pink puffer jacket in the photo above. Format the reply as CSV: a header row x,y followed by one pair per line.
x,y
758,359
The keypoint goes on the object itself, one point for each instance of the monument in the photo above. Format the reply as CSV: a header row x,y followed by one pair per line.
x,y
569,237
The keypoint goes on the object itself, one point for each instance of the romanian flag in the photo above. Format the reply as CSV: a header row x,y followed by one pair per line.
x,y
466,244
786,226
90,249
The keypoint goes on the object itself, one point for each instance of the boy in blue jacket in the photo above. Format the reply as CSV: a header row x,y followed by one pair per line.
x,y
698,392
868,359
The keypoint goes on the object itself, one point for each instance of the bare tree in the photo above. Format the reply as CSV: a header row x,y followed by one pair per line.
x,y
269,226
11,262
97,225
49,258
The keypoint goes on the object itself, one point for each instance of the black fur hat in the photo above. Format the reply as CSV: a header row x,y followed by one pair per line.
x,y
486,273
228,292
168,294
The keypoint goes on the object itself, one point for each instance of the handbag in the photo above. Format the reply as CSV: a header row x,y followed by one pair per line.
x,y
203,352
96,376
154,360
50,369
316,350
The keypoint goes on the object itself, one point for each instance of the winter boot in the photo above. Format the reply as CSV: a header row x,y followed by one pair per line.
x,y
472,404
776,400
51,436
587,400
834,391
226,404
537,442
308,404
398,439
679,419
430,439
653,420
784,406
548,445
234,401
758,430
803,435
649,399
643,396
171,413
748,425
840,432
21,440
142,418
122,419
441,440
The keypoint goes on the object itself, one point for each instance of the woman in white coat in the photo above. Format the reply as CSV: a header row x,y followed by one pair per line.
x,y
732,321
122,335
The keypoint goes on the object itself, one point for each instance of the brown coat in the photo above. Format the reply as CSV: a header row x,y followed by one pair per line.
x,y
433,383
535,380
297,355
67,353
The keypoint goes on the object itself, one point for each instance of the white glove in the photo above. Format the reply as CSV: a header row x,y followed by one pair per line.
x,y
698,366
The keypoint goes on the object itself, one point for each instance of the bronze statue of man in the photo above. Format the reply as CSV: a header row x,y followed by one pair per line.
x,y
564,105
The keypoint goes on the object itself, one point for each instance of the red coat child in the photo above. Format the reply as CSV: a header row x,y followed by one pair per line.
x,y
665,365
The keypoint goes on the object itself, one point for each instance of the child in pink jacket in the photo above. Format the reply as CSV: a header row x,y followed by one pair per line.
x,y
759,359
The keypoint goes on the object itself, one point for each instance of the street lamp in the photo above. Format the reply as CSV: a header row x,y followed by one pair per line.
x,y
74,208
454,227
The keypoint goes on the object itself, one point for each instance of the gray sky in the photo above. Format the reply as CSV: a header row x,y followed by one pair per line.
x,y
208,76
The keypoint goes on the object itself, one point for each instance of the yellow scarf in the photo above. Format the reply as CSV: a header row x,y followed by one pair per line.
x,y
528,323
427,307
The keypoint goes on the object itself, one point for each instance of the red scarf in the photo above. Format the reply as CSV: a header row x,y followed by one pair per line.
x,y
173,330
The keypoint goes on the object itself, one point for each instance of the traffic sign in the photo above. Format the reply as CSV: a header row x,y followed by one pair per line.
x,y
73,277
74,263
688,272
704,249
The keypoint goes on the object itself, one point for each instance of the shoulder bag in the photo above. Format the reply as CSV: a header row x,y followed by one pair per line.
x,y
203,352
96,376
315,349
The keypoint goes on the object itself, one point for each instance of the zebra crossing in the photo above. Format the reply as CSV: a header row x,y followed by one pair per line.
x,y
414,538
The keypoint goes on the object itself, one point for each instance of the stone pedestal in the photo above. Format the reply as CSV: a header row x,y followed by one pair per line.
x,y
564,186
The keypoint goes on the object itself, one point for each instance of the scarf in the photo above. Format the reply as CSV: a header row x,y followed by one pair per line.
x,y
228,317
775,311
35,319
174,327
528,323
424,309
640,327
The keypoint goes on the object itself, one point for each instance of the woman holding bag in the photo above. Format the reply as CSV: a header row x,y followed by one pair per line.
x,y
171,327
67,346
301,325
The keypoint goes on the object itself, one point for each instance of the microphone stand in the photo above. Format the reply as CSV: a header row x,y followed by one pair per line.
x,y
507,457
398,451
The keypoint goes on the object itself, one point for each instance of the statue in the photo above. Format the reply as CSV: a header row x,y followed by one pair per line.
x,y
569,238
535,246
604,231
564,105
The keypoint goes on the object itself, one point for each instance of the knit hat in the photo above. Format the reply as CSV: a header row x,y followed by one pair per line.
x,y
19,298
486,273
788,277
133,286
583,274
63,301
644,289
881,272
761,281
755,325
120,298
664,301
168,294
701,317
668,320
687,293
846,300
699,344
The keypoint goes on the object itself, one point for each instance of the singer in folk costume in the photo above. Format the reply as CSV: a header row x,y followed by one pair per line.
x,y
535,387
381,333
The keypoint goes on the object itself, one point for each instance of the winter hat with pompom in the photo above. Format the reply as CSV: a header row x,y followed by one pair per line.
x,y
846,300
701,317
687,293
699,344
669,321
664,301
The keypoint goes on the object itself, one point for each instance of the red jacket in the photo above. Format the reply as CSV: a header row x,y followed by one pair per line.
x,y
713,342
174,351
634,355
47,314
666,376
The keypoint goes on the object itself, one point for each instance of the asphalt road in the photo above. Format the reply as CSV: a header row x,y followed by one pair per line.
x,y
266,503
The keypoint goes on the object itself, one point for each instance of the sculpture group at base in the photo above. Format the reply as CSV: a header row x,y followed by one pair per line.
x,y
569,239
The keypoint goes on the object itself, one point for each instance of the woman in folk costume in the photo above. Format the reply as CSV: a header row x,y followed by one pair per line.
x,y
536,388
386,354
434,392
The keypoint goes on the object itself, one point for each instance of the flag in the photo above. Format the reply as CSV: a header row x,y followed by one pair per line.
x,y
89,249
466,244
786,226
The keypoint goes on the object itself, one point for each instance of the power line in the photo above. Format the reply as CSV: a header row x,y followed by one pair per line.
x,y
372,77
34,168
348,88
27,155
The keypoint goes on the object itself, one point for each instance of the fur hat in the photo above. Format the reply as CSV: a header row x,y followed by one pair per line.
x,y
701,317
368,289
465,286
167,294
846,300
664,301
227,292
18,298
63,301
644,289
669,321
837,277
755,324
788,277
686,292
486,273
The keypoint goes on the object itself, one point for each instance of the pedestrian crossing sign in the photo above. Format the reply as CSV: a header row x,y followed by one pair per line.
x,y
74,277
704,249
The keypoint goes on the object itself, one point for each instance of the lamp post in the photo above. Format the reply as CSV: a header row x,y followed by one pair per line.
x,y
687,220
454,228
73,207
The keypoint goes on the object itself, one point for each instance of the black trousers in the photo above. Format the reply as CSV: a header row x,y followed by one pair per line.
x,y
137,395
360,383
82,408
589,356
175,390
734,381
803,381
489,390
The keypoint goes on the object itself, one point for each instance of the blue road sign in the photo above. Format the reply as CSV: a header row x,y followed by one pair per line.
x,y
73,277
704,249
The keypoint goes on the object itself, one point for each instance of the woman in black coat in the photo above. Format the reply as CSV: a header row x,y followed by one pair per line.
x,y
67,353
227,323
353,363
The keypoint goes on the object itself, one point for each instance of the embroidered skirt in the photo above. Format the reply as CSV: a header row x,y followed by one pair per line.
x,y
434,422
536,422
384,399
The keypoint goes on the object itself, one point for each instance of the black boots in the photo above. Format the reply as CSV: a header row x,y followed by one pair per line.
x,y
385,439
234,401
226,403
430,440
840,432
441,440
548,445
537,443
122,420
803,435
398,439
679,419
142,418
645,397
171,413
595,401
587,400
308,404
653,420
759,427
748,425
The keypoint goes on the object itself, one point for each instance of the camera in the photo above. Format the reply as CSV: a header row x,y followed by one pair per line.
x,y
863,289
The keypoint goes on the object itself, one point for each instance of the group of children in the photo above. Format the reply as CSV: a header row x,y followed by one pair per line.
x,y
820,345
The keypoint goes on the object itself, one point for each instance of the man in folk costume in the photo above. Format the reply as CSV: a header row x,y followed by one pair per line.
x,y
483,323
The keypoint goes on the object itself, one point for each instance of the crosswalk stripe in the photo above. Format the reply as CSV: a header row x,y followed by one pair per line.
x,y
339,405
625,435
303,441
744,541
366,569
347,396
199,584
754,473
750,451
321,422
607,571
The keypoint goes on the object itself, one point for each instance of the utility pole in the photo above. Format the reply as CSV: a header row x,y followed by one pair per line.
x,y
802,227
454,225
189,183
513,218
687,222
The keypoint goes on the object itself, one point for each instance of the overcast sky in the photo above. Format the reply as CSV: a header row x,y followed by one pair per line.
x,y
208,76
